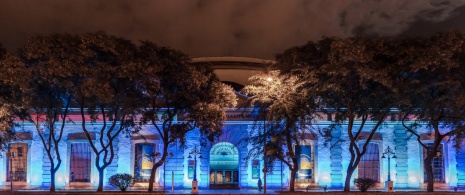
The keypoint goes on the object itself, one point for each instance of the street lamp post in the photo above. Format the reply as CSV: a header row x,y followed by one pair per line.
x,y
164,177
282,176
164,171
195,151
264,153
389,152
269,80
11,156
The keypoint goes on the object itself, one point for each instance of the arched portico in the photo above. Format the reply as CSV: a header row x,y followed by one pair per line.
x,y
224,166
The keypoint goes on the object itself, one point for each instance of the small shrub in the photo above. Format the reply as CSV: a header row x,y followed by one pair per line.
x,y
121,181
364,183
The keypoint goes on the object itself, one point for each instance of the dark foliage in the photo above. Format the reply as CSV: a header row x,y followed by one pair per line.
x,y
122,181
364,184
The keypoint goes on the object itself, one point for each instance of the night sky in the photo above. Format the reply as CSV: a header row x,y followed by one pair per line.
x,y
248,28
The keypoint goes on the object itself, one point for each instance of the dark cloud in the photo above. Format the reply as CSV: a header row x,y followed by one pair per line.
x,y
227,27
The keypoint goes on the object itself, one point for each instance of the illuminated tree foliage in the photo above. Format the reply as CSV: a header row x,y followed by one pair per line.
x,y
180,97
9,95
286,110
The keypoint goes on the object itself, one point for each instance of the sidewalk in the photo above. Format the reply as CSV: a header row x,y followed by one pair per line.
x,y
226,192
176,192
236,192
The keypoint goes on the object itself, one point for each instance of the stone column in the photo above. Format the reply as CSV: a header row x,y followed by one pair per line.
x,y
336,159
401,163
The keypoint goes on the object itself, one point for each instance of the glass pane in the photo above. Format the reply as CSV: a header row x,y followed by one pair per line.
x,y
235,176
219,177
227,176
144,161
212,177
80,162
17,163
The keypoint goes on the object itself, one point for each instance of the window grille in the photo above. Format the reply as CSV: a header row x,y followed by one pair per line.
x,y
16,168
80,162
305,162
369,163
437,164
144,155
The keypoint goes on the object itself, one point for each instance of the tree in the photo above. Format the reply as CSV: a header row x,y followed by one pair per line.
x,y
180,97
287,110
352,85
9,94
46,91
433,97
347,77
106,91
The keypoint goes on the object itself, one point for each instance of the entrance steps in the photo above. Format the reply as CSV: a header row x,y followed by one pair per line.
x,y
224,186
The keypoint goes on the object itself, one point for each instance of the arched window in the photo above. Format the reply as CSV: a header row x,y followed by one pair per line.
x,y
224,165
369,163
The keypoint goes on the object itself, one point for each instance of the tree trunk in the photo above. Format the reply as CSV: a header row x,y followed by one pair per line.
x,y
158,164
152,178
52,179
429,174
350,171
292,181
100,180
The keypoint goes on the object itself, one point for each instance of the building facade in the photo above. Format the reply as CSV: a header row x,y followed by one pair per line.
x,y
222,164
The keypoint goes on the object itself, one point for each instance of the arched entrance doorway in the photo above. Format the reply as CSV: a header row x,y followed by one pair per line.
x,y
224,166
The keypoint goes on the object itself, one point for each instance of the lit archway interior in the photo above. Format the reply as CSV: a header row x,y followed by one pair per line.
x,y
224,165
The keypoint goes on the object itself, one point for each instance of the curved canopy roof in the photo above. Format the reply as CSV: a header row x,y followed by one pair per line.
x,y
235,70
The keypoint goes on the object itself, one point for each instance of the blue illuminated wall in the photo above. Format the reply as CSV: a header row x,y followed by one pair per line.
x,y
330,163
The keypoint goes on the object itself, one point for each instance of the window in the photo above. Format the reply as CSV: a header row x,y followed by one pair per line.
x,y
16,168
369,163
144,154
255,169
80,162
305,162
437,164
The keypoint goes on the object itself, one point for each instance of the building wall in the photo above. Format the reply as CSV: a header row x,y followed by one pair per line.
x,y
331,159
